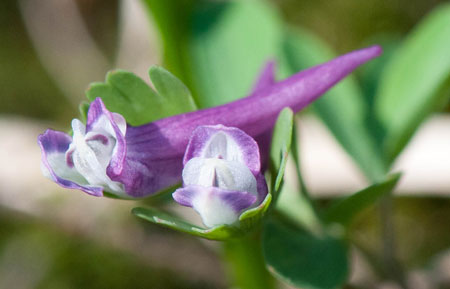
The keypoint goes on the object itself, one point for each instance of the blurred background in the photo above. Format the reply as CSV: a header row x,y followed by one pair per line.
x,y
50,50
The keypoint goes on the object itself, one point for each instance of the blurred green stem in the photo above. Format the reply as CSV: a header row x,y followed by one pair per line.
x,y
393,268
245,263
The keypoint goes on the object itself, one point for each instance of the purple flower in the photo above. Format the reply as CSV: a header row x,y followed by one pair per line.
x,y
221,174
84,160
139,161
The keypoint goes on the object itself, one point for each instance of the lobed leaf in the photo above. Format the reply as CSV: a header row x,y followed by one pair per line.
x,y
177,98
125,93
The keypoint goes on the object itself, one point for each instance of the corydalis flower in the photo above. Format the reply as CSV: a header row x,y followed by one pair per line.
x,y
146,159
221,175
82,161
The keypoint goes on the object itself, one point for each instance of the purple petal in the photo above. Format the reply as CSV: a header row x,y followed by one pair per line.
x,y
97,111
155,150
151,163
264,141
257,113
246,146
54,145
184,196
215,206
262,188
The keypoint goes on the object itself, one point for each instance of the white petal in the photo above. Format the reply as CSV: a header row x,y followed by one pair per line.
x,y
91,157
228,175
121,122
224,147
78,128
57,162
214,211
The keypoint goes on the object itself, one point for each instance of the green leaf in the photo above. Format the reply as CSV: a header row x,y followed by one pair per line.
x,y
416,81
343,109
280,147
370,73
222,232
125,93
343,211
229,43
177,97
305,260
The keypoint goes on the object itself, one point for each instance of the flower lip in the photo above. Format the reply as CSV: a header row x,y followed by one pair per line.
x,y
54,145
216,206
77,162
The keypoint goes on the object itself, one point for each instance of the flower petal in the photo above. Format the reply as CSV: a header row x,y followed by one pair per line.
x,y
54,145
227,143
216,206
228,175
100,120
91,154
261,186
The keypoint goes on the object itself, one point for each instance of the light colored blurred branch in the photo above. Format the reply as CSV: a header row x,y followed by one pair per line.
x,y
138,44
69,53
64,45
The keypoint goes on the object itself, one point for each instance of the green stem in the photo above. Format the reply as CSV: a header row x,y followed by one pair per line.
x,y
245,263
394,269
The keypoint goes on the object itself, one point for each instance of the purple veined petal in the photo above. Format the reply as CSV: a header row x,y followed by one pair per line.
x,y
54,145
154,150
101,119
215,206
228,143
